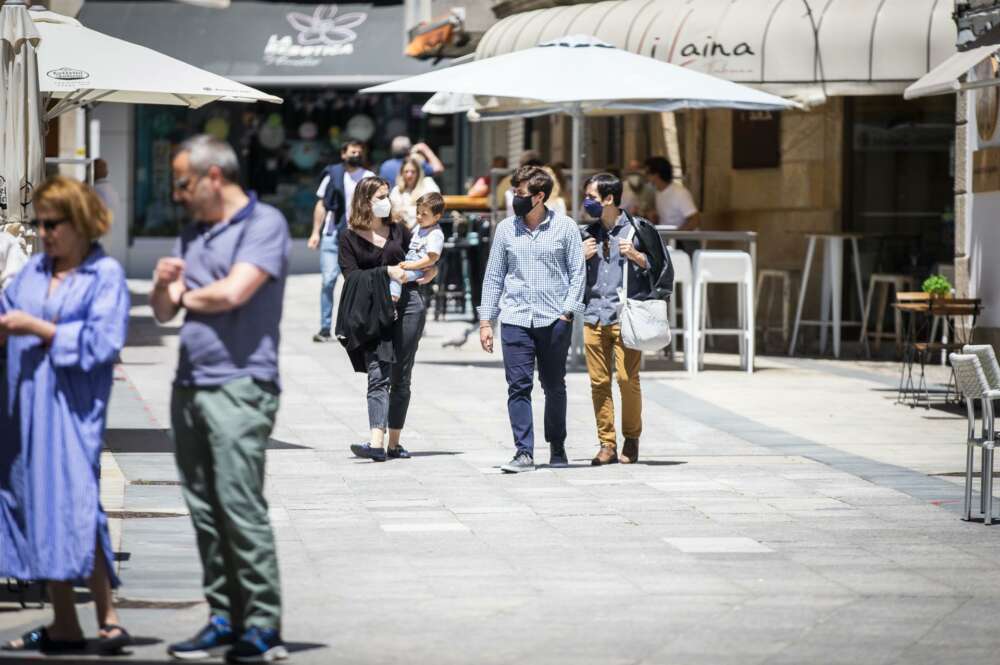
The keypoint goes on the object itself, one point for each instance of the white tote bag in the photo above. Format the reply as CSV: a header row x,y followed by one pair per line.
x,y
645,325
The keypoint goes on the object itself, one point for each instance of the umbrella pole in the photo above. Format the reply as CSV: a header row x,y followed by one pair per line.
x,y
577,115
576,344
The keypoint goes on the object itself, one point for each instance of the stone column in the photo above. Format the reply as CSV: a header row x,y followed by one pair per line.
x,y
962,195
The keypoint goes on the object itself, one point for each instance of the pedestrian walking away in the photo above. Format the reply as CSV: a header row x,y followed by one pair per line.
x,y
616,243
335,193
64,318
402,148
534,287
227,273
370,253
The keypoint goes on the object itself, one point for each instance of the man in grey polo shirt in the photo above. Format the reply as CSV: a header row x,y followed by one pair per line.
x,y
228,273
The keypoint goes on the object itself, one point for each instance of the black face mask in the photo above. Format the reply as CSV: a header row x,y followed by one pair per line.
x,y
354,161
522,205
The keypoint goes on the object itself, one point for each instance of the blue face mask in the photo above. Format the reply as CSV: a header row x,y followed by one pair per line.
x,y
593,207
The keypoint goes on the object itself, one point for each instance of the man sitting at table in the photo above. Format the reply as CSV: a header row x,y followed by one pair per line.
x,y
674,205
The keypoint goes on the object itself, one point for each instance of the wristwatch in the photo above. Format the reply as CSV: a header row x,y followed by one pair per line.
x,y
568,316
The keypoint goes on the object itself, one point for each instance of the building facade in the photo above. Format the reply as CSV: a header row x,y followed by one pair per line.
x,y
858,157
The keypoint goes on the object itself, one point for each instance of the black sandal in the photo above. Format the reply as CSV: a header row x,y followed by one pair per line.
x,y
114,645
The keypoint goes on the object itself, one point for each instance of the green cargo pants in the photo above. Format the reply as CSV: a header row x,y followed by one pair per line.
x,y
220,436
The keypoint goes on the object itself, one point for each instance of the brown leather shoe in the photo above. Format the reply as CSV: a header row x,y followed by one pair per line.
x,y
606,455
630,452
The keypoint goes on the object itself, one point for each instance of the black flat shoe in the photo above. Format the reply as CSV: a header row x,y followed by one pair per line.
x,y
365,451
39,640
399,452
30,641
114,645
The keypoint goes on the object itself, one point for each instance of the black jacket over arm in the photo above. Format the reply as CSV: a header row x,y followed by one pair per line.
x,y
365,319
656,282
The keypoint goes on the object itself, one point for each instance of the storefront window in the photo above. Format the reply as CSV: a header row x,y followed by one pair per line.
x,y
899,185
282,149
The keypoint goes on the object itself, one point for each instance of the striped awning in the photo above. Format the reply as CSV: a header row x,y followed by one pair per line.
x,y
800,48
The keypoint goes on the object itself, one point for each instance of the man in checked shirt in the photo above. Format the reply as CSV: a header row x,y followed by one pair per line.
x,y
534,285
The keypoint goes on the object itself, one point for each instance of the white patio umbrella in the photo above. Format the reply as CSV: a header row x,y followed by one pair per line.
x,y
21,167
80,66
580,75
66,66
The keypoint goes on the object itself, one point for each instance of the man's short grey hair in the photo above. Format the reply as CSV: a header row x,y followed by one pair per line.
x,y
206,151
401,144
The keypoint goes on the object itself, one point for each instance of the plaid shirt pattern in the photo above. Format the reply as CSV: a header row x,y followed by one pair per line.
x,y
534,277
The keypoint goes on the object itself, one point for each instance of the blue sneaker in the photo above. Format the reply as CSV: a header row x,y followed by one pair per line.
x,y
258,645
212,640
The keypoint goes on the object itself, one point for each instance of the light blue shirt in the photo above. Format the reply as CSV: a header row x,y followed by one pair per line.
x,y
534,277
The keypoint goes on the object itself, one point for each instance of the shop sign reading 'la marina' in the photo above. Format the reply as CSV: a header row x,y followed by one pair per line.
x,y
319,35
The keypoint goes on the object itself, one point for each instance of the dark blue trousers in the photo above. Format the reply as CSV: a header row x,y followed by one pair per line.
x,y
522,347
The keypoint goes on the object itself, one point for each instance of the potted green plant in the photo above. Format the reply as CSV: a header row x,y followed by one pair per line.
x,y
938,286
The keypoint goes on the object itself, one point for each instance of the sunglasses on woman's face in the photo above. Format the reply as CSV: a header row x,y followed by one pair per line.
x,y
49,225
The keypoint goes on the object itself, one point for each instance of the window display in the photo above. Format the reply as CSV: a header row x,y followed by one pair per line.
x,y
282,149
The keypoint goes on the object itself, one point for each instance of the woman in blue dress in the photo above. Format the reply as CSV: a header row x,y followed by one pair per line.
x,y
64,319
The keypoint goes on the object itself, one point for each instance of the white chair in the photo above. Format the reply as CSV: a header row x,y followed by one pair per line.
x,y
973,385
683,276
725,267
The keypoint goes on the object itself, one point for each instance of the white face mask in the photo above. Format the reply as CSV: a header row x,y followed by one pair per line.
x,y
381,208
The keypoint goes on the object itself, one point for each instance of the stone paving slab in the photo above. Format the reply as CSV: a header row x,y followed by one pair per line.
x,y
785,517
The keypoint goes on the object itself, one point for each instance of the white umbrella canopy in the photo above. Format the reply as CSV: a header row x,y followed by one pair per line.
x,y
80,66
21,163
579,75
574,73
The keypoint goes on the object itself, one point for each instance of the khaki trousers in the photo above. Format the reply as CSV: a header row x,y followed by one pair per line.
x,y
604,350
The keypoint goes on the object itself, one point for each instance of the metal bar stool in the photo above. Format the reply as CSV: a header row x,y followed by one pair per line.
x,y
833,275
884,281
784,279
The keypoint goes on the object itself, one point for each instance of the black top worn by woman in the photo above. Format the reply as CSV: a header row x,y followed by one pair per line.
x,y
366,315
357,253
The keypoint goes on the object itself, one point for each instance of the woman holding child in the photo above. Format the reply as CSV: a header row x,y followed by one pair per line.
x,y
375,242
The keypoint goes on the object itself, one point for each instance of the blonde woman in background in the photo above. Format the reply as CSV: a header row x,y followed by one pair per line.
x,y
411,184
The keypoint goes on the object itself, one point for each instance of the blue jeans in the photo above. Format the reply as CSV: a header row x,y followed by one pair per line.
x,y
329,267
521,348
395,288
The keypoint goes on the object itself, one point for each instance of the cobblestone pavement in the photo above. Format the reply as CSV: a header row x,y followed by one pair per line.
x,y
794,516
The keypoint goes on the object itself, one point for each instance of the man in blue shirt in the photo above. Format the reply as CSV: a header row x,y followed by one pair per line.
x,y
534,286
401,149
228,273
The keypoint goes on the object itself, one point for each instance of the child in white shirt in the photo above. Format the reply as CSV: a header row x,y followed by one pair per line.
x,y
426,243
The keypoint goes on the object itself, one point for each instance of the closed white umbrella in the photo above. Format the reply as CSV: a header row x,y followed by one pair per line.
x,y
21,165
580,75
79,66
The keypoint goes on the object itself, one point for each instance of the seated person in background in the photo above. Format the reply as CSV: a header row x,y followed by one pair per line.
x,y
481,187
674,205
425,245
638,196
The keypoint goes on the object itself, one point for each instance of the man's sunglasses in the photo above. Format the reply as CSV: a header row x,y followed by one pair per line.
x,y
606,247
47,224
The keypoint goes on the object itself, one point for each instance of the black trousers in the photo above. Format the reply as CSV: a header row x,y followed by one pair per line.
x,y
389,383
